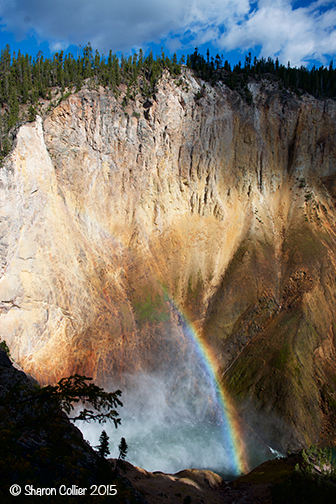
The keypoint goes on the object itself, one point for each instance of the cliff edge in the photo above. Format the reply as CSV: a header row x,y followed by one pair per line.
x,y
114,219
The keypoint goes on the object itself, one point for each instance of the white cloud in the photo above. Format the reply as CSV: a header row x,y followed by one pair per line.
x,y
295,34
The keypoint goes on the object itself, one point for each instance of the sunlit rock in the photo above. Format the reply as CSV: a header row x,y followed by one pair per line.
x,y
114,222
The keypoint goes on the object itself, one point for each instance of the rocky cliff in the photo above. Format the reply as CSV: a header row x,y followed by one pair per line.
x,y
114,220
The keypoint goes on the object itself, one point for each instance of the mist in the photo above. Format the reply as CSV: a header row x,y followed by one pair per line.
x,y
172,418
174,422
165,430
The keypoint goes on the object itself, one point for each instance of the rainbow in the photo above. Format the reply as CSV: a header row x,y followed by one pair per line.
x,y
232,436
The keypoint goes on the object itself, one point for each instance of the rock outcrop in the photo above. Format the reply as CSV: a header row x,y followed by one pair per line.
x,y
113,220
41,450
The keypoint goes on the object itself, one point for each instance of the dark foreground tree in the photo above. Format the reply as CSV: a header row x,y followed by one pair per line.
x,y
103,447
122,449
4,347
40,449
75,389
122,452
66,395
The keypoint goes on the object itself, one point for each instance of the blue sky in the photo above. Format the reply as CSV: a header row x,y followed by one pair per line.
x,y
302,32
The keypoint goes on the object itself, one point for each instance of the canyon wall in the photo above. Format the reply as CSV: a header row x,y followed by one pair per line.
x,y
115,221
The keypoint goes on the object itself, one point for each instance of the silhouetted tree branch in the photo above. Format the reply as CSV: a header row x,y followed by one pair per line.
x,y
68,393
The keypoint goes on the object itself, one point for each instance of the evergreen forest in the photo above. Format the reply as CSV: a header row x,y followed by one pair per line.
x,y
25,80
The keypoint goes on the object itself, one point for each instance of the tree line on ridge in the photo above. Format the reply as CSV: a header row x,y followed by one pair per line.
x,y
25,80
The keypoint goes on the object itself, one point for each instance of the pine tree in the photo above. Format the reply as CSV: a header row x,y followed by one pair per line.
x,y
103,447
31,113
122,449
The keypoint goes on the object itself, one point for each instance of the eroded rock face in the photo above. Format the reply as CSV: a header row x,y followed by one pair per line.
x,y
114,221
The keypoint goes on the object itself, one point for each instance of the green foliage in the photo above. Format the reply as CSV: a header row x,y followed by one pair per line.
x,y
303,183
283,357
319,82
32,113
328,394
248,95
198,95
313,481
4,347
152,309
320,458
25,80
